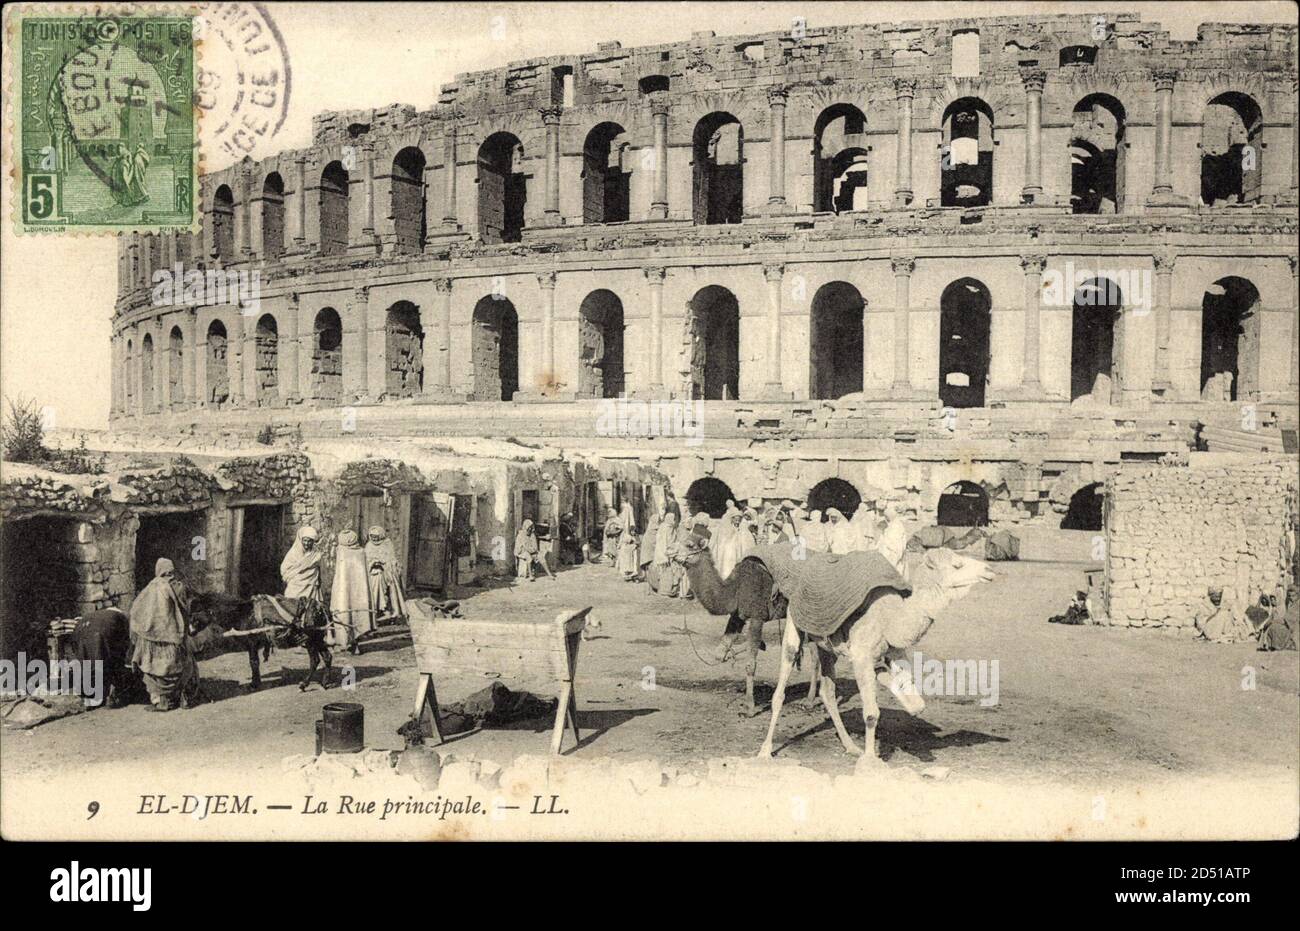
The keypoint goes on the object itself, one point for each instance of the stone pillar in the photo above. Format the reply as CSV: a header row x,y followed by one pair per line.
x,y
776,99
189,372
442,380
449,219
1034,80
300,199
243,239
659,117
547,383
905,89
290,373
903,268
137,373
773,274
551,119
1164,82
1164,268
359,313
1031,379
1295,325
655,373
235,357
1295,144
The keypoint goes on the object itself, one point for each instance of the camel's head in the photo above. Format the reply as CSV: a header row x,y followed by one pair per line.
x,y
954,574
695,548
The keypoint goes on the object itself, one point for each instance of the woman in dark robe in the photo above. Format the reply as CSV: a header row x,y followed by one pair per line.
x,y
160,648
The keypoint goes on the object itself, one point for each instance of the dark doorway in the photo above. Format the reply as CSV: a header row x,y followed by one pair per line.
x,y
495,349
502,189
39,559
223,224
967,168
709,495
604,176
718,169
834,493
600,346
273,217
963,504
714,328
334,193
1229,341
429,556
840,160
836,341
1085,510
964,322
261,548
1094,355
181,537
1097,156
1232,136
327,356
408,201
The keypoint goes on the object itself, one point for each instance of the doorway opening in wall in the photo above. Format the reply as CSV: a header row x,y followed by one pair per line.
x,y
600,345
216,367
147,375
38,581
182,537
836,341
840,160
717,169
963,504
502,189
261,532
327,356
709,495
410,222
273,217
1230,340
494,350
1232,136
266,374
605,175
834,493
1094,341
713,327
1085,510
403,351
966,170
1097,149
176,367
334,194
964,324
429,554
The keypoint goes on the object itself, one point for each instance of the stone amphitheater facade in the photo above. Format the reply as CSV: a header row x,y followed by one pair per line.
x,y
1014,252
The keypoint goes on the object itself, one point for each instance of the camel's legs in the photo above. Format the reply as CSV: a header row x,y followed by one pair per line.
x,y
864,671
813,658
789,650
833,706
754,635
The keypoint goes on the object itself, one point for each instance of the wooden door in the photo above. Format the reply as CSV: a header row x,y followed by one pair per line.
x,y
428,550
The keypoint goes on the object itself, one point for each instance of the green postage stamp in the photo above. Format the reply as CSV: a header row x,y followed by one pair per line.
x,y
107,129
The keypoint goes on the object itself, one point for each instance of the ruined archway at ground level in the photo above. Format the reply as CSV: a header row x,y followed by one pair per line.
x,y
834,493
963,504
1085,511
709,495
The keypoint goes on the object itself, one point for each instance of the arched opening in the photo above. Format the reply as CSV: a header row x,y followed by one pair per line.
x,y
840,160
147,372
266,372
403,350
835,341
1097,155
327,356
1230,340
334,182
600,345
967,166
963,504
964,321
176,366
273,216
129,376
223,224
502,189
834,493
605,175
1085,510
709,495
216,369
713,331
495,349
717,166
407,203
1232,135
1094,340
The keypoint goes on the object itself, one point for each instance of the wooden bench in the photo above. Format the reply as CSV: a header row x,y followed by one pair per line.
x,y
505,648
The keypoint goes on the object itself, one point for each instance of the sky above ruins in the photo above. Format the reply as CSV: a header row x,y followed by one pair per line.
x,y
58,293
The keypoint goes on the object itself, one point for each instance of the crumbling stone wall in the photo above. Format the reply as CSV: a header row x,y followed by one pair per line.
x,y
1172,532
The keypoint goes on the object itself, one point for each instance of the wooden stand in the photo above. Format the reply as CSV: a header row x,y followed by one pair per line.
x,y
501,647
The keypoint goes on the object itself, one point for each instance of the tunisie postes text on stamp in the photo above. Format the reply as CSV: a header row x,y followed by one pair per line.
x,y
105,128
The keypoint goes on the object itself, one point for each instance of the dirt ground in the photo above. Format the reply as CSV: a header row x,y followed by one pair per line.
x,y
1076,705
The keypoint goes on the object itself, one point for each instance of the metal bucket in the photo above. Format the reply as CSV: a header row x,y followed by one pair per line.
x,y
343,727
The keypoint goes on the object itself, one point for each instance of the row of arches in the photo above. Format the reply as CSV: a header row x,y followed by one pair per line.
x,y
1230,172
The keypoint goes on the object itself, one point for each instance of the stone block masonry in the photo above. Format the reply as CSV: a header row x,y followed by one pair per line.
x,y
1173,532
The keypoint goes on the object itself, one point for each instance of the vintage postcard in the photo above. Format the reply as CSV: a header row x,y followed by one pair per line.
x,y
650,421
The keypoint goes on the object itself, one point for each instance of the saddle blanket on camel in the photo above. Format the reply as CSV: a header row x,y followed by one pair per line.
x,y
824,589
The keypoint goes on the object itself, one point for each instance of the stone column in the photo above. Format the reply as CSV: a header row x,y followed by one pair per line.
x,y
189,371
1031,379
289,390
903,268
1164,267
359,313
1034,80
300,213
1295,144
1295,325
659,117
137,373
776,99
115,375
551,119
773,274
367,239
442,382
905,89
655,281
449,178
235,357
1164,82
243,240
547,383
